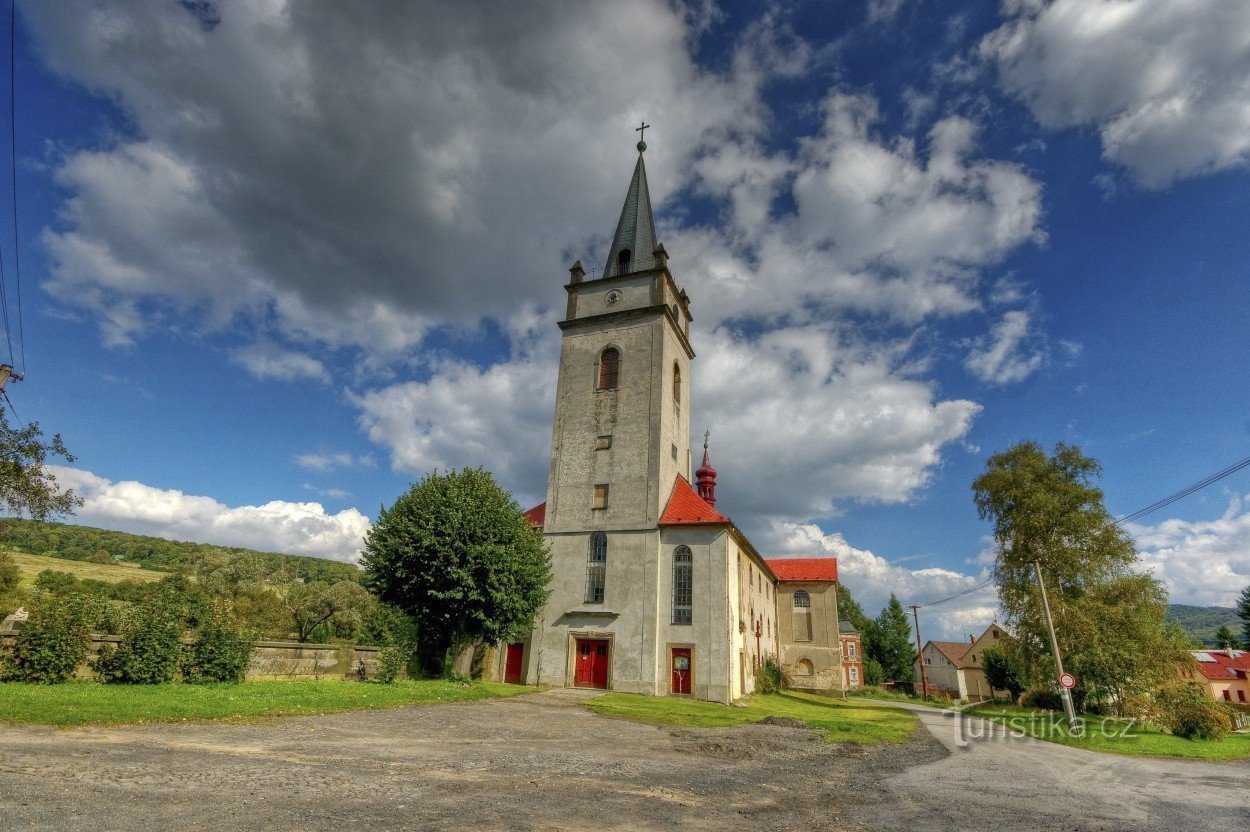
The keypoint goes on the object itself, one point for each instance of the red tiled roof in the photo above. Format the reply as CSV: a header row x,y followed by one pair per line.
x,y
1225,665
953,650
804,569
537,515
686,508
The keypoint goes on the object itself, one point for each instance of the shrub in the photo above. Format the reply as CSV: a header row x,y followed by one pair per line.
x,y
220,653
10,573
149,651
1043,698
53,642
873,674
391,662
1191,714
767,677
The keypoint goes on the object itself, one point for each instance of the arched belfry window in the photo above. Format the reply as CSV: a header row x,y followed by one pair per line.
x,y
596,568
623,257
683,585
802,615
609,368
676,383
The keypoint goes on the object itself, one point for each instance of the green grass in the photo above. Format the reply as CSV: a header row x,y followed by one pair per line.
x,y
895,696
851,721
1114,736
92,703
32,565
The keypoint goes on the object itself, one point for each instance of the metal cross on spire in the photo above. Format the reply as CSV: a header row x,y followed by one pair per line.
x,y
706,434
642,132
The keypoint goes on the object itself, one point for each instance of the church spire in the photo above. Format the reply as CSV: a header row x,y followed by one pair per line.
x,y
633,244
705,477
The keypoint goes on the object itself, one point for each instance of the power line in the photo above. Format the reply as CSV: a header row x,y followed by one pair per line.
x,y
1185,492
17,252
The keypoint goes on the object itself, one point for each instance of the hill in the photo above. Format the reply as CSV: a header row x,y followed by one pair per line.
x,y
32,565
1202,622
80,543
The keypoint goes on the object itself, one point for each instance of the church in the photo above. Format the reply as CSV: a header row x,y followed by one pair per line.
x,y
654,590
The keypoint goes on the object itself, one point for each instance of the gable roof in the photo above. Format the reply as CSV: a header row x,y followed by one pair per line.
x,y
804,569
537,515
686,508
953,650
1223,665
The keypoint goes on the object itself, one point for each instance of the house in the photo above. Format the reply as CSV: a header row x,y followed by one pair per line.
x,y
810,651
654,590
1224,674
956,668
852,655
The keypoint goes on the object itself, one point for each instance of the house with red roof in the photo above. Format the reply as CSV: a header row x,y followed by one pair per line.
x,y
654,589
956,668
1224,673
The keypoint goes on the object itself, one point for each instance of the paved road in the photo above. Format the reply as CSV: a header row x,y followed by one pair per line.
x,y
544,762
995,781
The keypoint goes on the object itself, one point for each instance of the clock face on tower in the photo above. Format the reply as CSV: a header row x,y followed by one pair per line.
x,y
613,297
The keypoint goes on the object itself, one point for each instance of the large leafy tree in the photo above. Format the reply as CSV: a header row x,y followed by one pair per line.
x,y
26,487
1109,619
1243,612
456,554
888,640
1000,672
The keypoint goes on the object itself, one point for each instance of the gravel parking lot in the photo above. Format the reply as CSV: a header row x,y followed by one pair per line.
x,y
543,762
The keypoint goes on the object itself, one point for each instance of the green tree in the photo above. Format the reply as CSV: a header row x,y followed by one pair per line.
x,y
888,641
1000,672
1225,638
456,554
873,674
1243,612
26,487
1110,621
10,573
850,610
318,603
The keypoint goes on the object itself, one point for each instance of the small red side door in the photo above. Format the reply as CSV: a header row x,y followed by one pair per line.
x,y
591,664
681,671
512,666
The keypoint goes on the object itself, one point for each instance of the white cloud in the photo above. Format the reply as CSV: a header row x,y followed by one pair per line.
x,y
1162,81
884,11
276,526
267,361
326,461
1204,562
872,578
1009,353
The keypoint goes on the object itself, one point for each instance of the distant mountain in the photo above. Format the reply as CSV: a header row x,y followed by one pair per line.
x,y
70,542
1202,622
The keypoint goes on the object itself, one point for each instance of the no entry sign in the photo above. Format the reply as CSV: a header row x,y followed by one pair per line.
x,y
1068,681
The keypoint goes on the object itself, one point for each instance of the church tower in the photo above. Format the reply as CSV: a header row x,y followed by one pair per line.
x,y
621,432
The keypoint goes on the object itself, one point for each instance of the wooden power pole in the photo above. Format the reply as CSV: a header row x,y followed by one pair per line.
x,y
924,679
1064,693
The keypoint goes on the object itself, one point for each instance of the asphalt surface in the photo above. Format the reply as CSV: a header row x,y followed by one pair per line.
x,y
544,762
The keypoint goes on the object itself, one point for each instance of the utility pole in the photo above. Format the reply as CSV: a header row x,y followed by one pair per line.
x,y
6,373
1064,693
924,679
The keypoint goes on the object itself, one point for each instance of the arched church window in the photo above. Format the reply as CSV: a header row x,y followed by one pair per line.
x,y
804,668
802,600
683,585
623,257
802,615
596,568
609,368
676,383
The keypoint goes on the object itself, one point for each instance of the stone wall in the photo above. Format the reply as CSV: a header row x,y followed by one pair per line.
x,y
274,659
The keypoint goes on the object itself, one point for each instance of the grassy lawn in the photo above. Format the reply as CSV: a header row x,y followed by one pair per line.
x,y
91,703
842,721
1114,736
32,565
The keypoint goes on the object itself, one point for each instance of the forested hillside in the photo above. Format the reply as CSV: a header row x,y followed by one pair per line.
x,y
1202,622
83,543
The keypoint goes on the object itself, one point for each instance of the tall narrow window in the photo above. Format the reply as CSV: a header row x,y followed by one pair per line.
x,y
600,496
609,368
676,383
683,585
802,615
596,568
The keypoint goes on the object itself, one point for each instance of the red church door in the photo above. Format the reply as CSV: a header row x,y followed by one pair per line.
x,y
591,665
513,664
681,671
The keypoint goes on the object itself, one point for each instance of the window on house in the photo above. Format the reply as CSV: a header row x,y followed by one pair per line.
x,y
602,443
850,649
674,452
1227,698
676,383
609,368
802,599
802,616
928,661
596,568
1241,696
683,585
854,674
601,497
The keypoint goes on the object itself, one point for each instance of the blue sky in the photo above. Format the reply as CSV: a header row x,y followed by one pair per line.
x,y
279,261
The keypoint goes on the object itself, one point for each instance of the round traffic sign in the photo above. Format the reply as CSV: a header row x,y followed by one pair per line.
x,y
1068,681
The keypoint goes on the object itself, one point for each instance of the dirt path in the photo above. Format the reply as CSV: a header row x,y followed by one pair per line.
x,y
540,762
